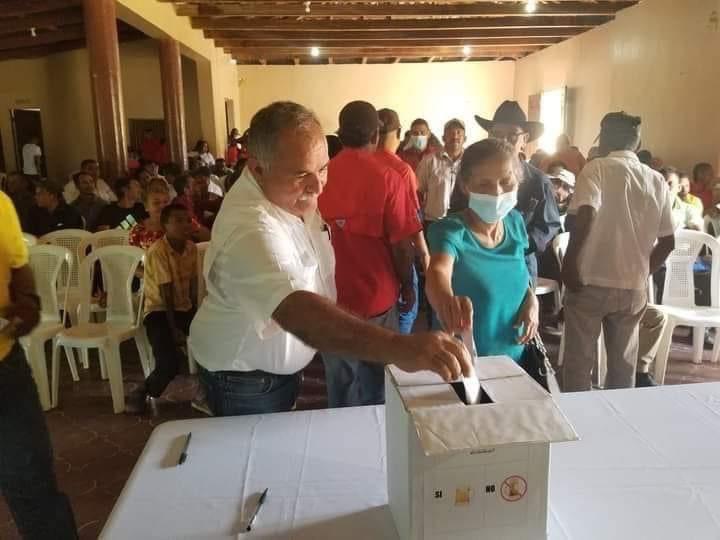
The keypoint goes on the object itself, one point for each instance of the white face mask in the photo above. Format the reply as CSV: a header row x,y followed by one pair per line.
x,y
418,142
491,208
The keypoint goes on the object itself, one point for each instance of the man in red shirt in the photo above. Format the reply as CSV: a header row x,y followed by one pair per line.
x,y
373,220
420,144
390,132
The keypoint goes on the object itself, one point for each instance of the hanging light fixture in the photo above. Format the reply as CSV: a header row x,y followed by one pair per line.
x,y
314,52
466,50
531,6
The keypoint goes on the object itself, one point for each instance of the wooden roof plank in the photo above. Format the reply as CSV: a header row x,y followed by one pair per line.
x,y
65,17
20,8
224,36
195,8
475,23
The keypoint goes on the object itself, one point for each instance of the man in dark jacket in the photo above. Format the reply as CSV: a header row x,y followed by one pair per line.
x,y
536,201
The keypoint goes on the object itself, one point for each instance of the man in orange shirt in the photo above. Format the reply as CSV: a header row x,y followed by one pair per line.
x,y
373,220
390,131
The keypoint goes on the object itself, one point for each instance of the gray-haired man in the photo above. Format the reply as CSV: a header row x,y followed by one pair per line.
x,y
270,281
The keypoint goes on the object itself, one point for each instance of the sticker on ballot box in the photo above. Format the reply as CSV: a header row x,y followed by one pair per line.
x,y
513,488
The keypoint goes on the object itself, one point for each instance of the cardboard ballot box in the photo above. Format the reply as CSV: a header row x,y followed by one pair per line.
x,y
470,472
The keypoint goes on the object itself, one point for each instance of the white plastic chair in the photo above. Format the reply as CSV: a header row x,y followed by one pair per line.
x,y
112,237
30,240
678,301
201,294
122,322
550,286
46,262
69,239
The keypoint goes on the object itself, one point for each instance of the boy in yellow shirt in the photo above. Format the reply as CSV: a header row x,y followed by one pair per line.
x,y
27,477
170,283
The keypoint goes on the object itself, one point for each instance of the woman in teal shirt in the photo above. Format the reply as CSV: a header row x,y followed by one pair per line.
x,y
478,277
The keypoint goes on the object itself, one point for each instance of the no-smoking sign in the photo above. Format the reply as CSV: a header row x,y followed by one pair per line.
x,y
513,488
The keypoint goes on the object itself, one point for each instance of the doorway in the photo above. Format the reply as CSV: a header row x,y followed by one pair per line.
x,y
229,116
26,124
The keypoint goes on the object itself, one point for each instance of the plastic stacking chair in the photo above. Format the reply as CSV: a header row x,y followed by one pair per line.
x,y
46,262
113,237
69,239
678,300
30,240
201,294
123,320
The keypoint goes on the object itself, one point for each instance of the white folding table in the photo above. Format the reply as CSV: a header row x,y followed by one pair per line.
x,y
647,467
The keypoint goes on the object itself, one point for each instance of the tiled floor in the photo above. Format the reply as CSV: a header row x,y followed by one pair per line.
x,y
95,450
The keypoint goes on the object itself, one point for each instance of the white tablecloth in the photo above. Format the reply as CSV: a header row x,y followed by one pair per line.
x,y
647,467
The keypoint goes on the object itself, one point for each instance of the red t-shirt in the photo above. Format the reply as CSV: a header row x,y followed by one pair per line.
x,y
403,169
368,208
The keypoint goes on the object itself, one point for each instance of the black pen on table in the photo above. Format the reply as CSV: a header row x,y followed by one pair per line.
x,y
184,453
257,509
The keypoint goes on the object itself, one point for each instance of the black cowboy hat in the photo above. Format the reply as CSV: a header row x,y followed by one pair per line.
x,y
510,112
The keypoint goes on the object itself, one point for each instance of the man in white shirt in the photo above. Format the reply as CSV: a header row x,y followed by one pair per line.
x,y
269,271
624,232
32,156
102,189
437,172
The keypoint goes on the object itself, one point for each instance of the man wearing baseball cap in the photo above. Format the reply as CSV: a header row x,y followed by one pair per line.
x,y
624,231
390,132
373,220
536,200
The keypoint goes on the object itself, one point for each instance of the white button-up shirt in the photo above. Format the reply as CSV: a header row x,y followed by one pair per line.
x,y
259,254
634,209
436,175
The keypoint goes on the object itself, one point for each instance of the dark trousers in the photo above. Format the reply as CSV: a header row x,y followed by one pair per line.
x,y
235,393
27,477
168,356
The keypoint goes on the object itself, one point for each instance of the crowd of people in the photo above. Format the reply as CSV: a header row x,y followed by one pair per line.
x,y
329,245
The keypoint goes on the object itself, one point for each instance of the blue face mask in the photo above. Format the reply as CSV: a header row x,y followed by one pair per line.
x,y
491,208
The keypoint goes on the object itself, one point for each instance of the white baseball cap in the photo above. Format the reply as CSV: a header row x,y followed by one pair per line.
x,y
564,176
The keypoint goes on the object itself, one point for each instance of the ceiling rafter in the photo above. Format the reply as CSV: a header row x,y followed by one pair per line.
x,y
363,31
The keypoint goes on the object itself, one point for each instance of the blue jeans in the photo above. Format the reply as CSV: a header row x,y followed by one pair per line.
x,y
406,321
235,393
352,382
27,477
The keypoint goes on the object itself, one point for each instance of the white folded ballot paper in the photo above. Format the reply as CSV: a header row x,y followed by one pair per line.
x,y
471,383
462,471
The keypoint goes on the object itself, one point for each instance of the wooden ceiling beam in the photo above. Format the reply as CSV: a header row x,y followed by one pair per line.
x,y
475,23
47,37
351,43
360,52
223,37
64,17
209,8
20,8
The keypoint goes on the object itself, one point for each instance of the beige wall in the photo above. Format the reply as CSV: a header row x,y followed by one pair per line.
x,y
140,72
660,60
217,76
193,124
27,87
436,92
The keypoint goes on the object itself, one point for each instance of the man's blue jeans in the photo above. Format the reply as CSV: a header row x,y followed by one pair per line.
x,y
406,321
352,382
235,393
27,477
